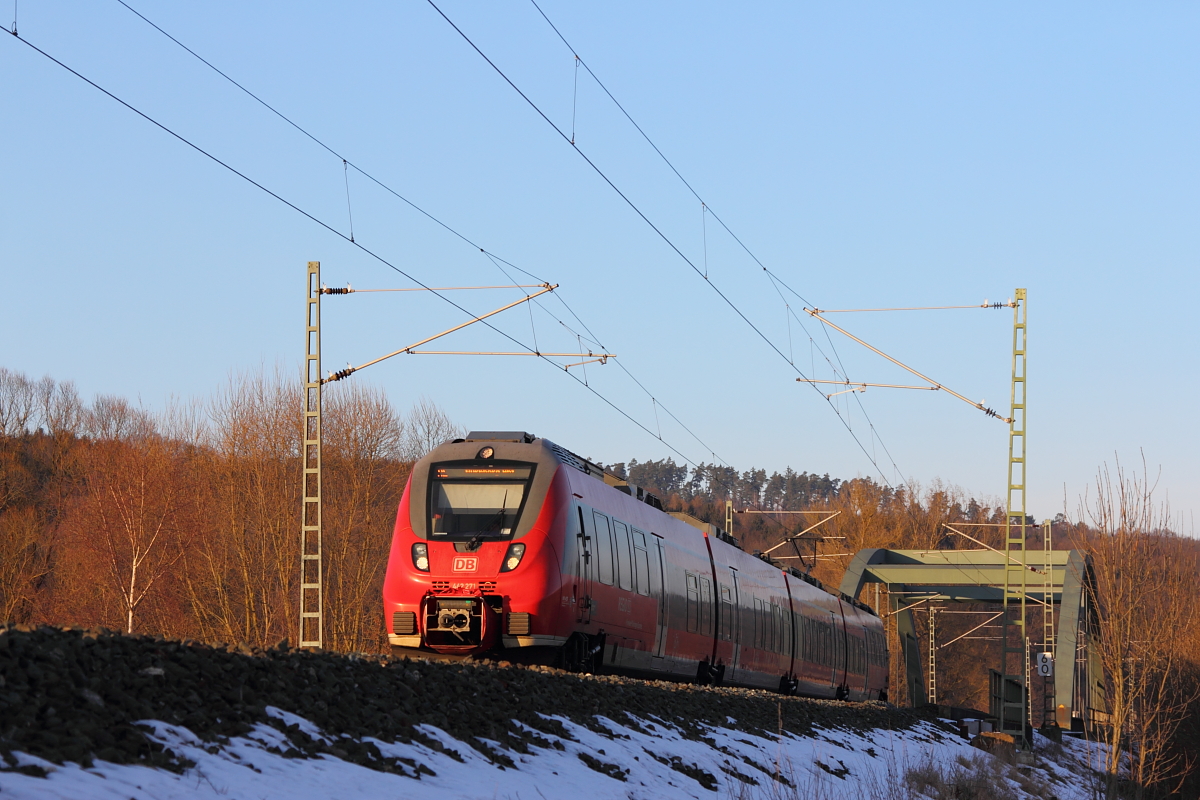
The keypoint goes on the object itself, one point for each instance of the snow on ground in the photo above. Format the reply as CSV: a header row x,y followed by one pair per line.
x,y
622,763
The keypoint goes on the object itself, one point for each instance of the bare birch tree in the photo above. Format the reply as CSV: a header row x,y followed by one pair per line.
x,y
132,501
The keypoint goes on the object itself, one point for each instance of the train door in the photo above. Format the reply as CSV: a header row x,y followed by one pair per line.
x,y
735,662
833,649
585,570
866,659
658,589
843,638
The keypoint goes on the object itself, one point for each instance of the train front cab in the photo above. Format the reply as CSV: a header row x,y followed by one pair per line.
x,y
476,549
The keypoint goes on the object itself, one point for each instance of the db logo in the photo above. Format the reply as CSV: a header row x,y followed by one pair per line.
x,y
465,564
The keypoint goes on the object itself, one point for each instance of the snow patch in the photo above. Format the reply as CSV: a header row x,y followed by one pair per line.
x,y
642,760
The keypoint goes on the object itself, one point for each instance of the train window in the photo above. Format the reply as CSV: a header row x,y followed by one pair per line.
x,y
624,568
787,632
768,628
693,602
603,549
706,607
726,613
760,631
641,563
468,500
756,637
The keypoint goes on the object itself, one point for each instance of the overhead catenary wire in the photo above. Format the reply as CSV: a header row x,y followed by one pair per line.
x,y
365,250
771,275
497,260
637,210
494,258
775,279
350,163
690,187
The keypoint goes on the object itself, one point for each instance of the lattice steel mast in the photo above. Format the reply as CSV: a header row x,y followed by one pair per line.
x,y
312,626
1015,711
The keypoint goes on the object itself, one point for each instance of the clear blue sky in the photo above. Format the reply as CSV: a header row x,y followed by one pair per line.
x,y
871,155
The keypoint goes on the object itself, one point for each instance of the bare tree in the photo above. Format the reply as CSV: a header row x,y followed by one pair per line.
x,y
114,418
242,572
365,475
428,426
62,412
24,562
1143,588
18,403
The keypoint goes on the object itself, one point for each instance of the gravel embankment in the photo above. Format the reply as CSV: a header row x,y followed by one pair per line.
x,y
74,695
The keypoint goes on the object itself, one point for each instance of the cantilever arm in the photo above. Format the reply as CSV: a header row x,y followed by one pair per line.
x,y
345,373
816,313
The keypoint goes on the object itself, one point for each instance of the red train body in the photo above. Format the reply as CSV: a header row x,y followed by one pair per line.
x,y
510,545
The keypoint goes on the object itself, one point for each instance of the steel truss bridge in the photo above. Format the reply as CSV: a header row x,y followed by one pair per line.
x,y
1057,591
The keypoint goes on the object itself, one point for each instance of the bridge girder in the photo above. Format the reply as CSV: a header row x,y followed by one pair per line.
x,y
977,576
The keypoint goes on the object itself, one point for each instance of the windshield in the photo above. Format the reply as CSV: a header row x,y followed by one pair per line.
x,y
469,500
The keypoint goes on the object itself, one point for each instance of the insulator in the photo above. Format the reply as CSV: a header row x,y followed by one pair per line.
x,y
334,290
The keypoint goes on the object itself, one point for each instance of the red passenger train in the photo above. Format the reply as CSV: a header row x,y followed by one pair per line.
x,y
509,545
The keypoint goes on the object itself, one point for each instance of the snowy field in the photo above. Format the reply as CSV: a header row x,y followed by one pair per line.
x,y
618,761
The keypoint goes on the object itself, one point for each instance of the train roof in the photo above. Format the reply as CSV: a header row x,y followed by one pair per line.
x,y
597,471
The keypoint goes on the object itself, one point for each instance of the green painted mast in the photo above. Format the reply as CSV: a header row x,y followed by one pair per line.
x,y
1014,705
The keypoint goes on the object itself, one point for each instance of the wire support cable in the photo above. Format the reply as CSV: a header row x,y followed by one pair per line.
x,y
637,210
349,210
367,251
351,290
984,304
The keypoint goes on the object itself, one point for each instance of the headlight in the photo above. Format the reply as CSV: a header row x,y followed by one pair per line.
x,y
513,557
420,556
